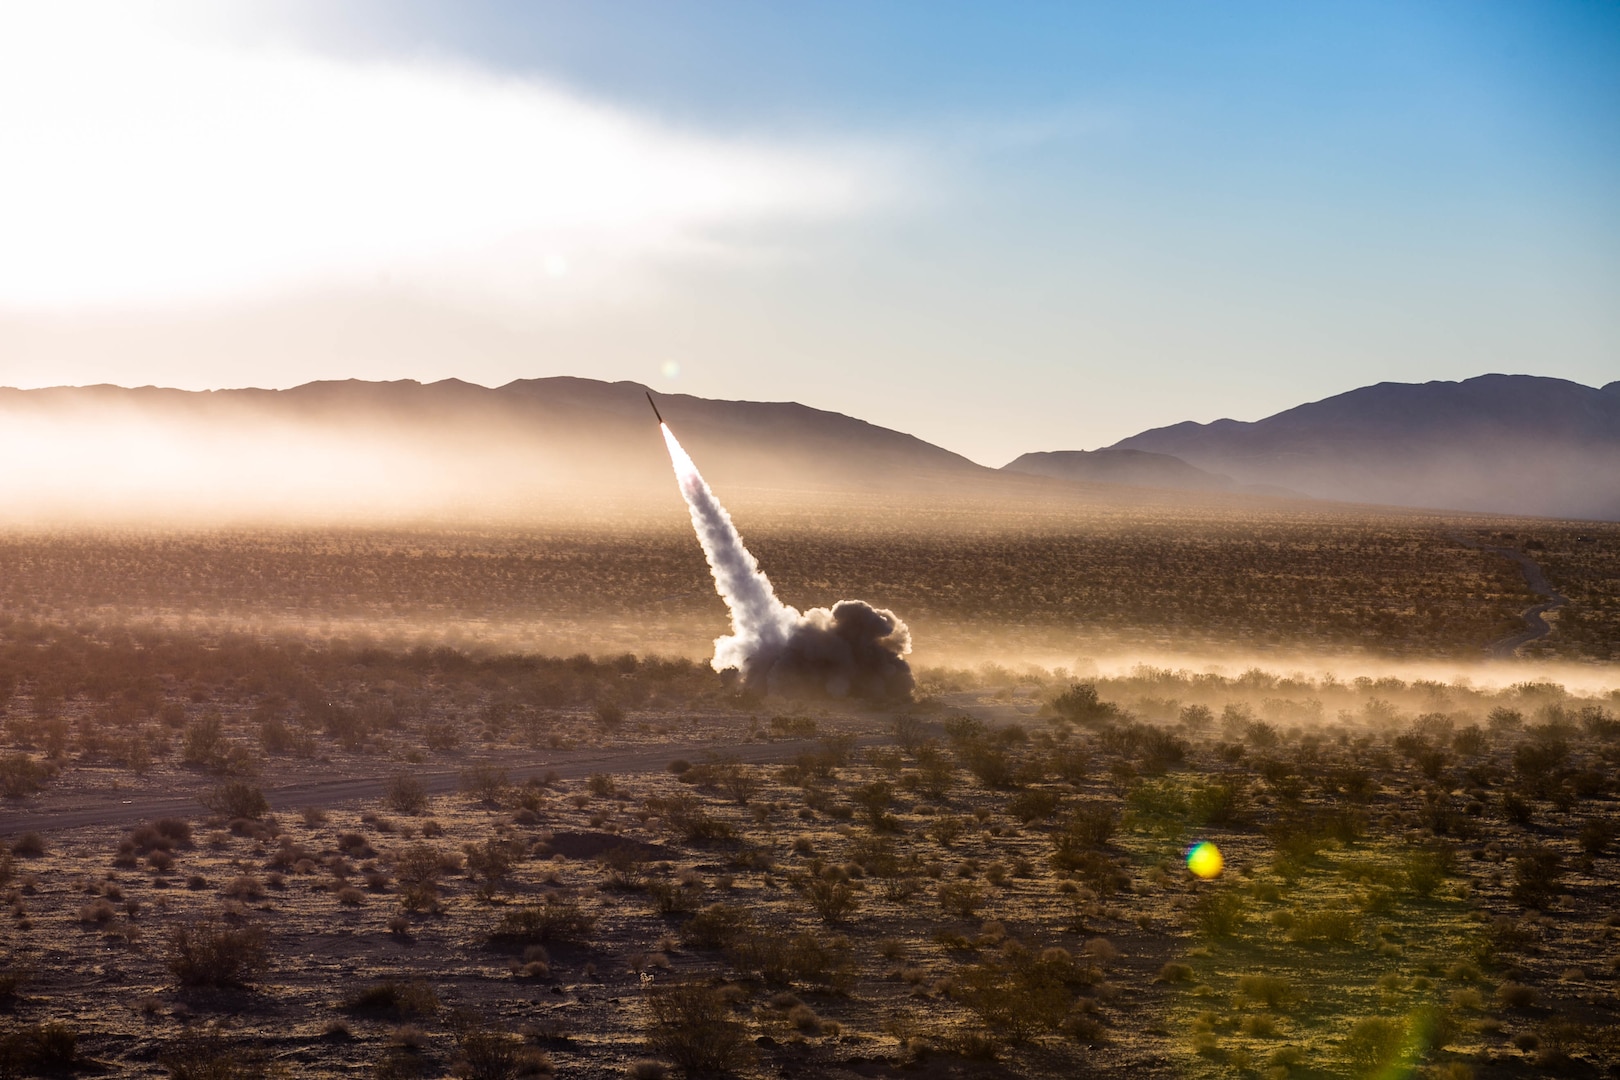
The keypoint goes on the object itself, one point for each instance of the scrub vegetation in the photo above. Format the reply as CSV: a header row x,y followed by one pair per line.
x,y
998,581
320,804
989,881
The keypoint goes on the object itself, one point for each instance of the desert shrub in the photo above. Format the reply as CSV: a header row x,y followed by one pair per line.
x,y
488,1053
1331,925
13,977
1159,749
205,746
175,831
30,845
794,727
739,782
1080,704
1426,870
440,736
807,958
99,911
684,814
406,794
1517,809
1375,1043
394,1000
419,868
485,783
50,1049
961,899
692,1026
1218,802
1539,761
1175,973
674,898
490,863
832,901
208,953
1597,834
401,1063
558,919
1219,912
21,775
1087,829
1272,991
1536,877
609,716
236,799
1033,804
1016,1001
989,764
244,887
1516,995
718,926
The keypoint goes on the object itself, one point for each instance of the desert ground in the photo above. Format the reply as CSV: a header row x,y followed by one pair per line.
x,y
439,800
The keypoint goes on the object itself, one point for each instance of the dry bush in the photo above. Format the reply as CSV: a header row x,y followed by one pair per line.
x,y
50,1049
1019,999
1088,828
491,863
13,977
805,958
1375,1043
718,926
395,1000
692,1026
485,783
1536,877
236,799
685,816
557,919
1336,926
1272,991
406,794
961,899
206,1054
208,953
833,901
1218,913
21,775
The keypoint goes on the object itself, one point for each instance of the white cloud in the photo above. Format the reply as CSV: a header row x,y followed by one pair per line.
x,y
139,167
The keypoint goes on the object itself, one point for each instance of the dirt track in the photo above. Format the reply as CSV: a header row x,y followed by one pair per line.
x,y
1536,626
287,797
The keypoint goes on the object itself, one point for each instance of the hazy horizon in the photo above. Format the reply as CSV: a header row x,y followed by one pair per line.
x,y
1072,226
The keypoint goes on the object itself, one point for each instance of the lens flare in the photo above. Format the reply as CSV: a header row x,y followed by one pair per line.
x,y
1204,860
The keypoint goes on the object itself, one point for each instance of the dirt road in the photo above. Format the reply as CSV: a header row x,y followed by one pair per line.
x,y
1536,626
328,793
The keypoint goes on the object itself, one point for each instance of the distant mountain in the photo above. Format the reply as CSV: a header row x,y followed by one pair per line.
x,y
1504,443
1116,465
443,447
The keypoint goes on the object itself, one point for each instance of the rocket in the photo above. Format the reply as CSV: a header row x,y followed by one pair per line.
x,y
655,408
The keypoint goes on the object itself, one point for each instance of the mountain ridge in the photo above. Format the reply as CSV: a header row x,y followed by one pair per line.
x,y
1494,443
1504,443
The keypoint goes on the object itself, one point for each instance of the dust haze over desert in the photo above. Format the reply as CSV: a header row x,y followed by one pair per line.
x,y
1120,574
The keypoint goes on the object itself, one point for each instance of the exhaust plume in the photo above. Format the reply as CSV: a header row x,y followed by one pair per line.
x,y
852,649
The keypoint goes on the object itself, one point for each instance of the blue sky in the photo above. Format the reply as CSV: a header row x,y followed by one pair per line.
x,y
1002,227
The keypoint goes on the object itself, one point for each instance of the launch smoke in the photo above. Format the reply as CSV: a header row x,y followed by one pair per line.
x,y
851,649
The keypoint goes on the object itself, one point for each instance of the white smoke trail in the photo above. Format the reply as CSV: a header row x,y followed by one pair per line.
x,y
853,648
758,619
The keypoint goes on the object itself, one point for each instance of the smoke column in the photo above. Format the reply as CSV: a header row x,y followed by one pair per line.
x,y
852,649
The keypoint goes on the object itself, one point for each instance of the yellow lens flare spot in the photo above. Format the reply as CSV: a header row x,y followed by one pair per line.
x,y
1204,860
